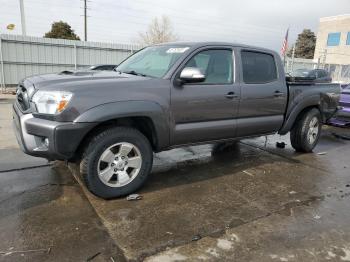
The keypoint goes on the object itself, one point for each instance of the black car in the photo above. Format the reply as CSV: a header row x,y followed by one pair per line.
x,y
318,75
102,67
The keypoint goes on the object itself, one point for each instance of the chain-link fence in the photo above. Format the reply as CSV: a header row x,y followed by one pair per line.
x,y
339,73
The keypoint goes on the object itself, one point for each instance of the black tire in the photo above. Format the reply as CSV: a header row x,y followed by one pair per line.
x,y
98,145
299,135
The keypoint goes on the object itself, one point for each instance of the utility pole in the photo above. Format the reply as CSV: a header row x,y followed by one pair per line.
x,y
23,20
85,20
2,83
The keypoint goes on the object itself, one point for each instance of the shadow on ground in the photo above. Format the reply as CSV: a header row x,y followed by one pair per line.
x,y
203,191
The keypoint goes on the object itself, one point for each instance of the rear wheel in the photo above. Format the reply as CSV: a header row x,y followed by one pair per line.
x,y
117,162
306,131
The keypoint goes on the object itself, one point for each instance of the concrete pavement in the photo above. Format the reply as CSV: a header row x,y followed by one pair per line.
x,y
246,202
44,215
304,200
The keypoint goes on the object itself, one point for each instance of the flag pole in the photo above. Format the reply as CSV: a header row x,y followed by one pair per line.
x,y
285,47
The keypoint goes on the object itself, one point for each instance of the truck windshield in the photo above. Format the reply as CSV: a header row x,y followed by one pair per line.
x,y
154,61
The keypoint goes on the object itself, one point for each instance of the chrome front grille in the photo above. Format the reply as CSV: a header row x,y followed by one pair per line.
x,y
22,98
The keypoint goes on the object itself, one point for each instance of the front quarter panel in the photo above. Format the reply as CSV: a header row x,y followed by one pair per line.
x,y
116,110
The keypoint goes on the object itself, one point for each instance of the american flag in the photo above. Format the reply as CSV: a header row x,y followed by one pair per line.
x,y
285,44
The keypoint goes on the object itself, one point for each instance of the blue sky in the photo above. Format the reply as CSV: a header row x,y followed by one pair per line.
x,y
256,22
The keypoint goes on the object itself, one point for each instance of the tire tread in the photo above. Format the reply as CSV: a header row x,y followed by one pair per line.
x,y
91,148
299,130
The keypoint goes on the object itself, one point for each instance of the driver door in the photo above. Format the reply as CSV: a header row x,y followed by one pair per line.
x,y
207,110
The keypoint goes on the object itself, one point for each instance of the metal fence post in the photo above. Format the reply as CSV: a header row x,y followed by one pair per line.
x,y
3,86
293,56
75,57
324,59
339,72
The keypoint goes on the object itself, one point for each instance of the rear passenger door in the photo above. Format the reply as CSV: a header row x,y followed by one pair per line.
x,y
263,93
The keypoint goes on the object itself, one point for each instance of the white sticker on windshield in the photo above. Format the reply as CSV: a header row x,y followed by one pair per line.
x,y
177,50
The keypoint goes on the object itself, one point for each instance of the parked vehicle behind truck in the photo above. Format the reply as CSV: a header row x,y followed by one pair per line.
x,y
342,117
317,75
165,96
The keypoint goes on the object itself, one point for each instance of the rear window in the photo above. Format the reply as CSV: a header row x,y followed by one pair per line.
x,y
321,73
258,67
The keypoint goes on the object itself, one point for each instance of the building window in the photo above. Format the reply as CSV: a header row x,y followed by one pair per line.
x,y
333,39
348,39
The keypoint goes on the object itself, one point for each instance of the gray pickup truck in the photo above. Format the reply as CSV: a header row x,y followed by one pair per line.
x,y
165,96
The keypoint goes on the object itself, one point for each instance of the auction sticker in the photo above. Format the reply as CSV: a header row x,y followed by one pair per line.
x,y
177,50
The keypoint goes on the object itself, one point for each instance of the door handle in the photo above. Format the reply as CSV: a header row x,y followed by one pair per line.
x,y
278,93
231,95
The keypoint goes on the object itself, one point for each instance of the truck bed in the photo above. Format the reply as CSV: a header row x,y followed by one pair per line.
x,y
327,95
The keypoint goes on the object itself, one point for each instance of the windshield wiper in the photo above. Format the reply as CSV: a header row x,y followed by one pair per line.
x,y
132,72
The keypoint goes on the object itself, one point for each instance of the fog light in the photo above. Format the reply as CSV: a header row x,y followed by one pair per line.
x,y
46,142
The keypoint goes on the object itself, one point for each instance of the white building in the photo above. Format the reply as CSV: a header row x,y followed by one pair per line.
x,y
333,40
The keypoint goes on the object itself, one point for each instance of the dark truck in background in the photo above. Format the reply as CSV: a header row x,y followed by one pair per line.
x,y
162,97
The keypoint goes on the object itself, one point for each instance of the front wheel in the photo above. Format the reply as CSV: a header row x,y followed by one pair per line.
x,y
117,162
306,131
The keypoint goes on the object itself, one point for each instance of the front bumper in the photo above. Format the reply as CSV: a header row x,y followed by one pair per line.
x,y
48,139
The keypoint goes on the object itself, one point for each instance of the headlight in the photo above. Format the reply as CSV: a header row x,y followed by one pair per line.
x,y
51,102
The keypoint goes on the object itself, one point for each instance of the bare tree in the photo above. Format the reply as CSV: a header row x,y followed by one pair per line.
x,y
159,31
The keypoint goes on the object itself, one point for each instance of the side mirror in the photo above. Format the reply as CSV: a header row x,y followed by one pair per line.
x,y
192,75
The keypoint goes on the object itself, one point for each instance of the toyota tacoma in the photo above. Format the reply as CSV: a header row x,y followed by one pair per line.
x,y
161,97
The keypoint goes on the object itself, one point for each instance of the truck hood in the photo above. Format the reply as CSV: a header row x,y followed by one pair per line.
x,y
91,89
73,80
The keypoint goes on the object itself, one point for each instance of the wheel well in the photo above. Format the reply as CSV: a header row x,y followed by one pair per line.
x,y
143,124
302,112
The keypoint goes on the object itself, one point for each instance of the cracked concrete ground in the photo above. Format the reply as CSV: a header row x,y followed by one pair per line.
x,y
245,202
44,215
306,199
248,201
